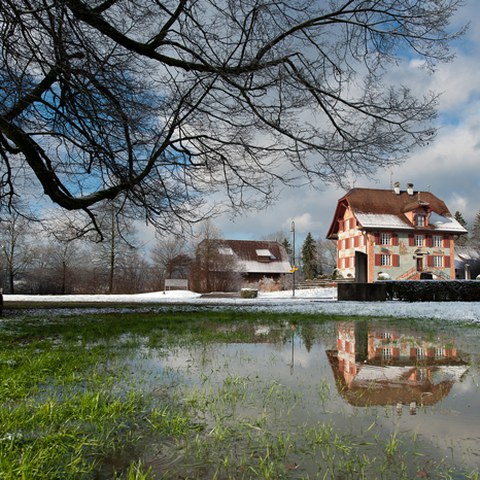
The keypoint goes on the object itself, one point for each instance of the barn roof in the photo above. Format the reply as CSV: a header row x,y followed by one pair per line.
x,y
257,256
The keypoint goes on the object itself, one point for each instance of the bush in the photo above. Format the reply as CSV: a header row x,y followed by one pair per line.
x,y
434,290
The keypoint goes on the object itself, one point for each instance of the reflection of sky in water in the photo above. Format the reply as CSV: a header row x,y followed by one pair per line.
x,y
448,427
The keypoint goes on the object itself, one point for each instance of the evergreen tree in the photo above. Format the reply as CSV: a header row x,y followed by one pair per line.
x,y
288,246
475,233
462,239
309,257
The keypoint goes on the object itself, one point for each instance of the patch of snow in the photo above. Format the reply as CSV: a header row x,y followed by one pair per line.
x,y
376,220
446,223
316,300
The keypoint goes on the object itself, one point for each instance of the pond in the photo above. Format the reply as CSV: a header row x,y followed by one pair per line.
x,y
255,396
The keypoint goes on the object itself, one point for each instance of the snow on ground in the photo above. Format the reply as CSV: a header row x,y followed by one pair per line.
x,y
320,300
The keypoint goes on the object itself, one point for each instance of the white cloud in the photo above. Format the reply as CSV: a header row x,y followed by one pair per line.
x,y
449,166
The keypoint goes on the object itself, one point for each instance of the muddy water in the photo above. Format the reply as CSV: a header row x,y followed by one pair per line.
x,y
359,399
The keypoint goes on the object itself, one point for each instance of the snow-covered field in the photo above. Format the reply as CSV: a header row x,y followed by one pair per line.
x,y
321,300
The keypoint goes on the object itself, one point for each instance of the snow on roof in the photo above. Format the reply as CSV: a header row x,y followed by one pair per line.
x,y
381,220
464,253
225,251
439,222
397,373
262,267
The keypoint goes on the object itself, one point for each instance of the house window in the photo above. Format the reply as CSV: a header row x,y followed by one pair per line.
x,y
386,353
439,352
437,261
385,239
420,220
420,352
422,375
419,239
437,241
385,259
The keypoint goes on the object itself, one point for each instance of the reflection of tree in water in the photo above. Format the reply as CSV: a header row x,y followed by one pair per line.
x,y
381,366
307,334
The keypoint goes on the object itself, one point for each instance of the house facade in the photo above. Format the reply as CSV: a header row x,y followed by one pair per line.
x,y
395,234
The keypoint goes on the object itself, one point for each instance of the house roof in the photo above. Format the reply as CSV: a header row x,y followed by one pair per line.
x,y
385,209
257,256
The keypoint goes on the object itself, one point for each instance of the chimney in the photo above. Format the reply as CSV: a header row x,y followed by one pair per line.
x,y
410,188
396,188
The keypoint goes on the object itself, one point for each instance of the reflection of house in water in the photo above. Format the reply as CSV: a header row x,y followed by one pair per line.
x,y
381,366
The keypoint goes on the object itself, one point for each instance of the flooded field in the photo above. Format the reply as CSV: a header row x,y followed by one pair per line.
x,y
237,395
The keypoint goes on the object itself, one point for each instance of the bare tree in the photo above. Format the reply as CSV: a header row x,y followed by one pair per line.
x,y
118,244
166,253
327,255
17,247
162,103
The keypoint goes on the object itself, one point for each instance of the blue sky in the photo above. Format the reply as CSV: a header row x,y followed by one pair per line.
x,y
449,167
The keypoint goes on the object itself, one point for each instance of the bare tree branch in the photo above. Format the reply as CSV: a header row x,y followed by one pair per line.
x,y
166,103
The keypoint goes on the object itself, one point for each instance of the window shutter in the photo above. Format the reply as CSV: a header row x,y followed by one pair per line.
x,y
430,261
377,238
378,257
428,241
394,239
411,240
395,260
446,261
446,242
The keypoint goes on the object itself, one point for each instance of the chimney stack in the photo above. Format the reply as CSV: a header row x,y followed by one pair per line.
x,y
410,188
396,188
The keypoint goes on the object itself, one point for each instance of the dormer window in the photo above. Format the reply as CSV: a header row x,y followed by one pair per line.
x,y
264,255
420,220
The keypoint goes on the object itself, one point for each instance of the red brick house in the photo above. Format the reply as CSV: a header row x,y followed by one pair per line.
x,y
401,234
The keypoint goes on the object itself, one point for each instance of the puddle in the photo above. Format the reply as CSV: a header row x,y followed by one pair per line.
x,y
363,399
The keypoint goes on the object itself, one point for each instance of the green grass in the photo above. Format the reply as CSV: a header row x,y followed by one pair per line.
x,y
69,404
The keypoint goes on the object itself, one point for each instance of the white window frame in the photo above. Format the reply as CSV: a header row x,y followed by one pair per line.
x,y
419,240
385,260
386,353
437,240
438,261
385,239
420,220
439,352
